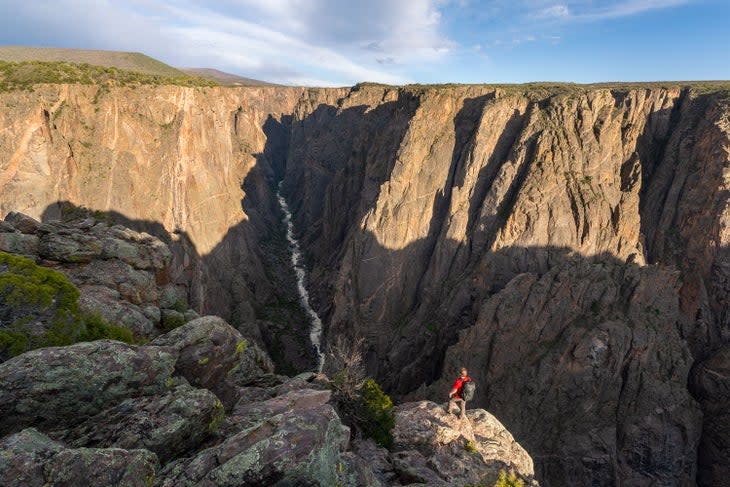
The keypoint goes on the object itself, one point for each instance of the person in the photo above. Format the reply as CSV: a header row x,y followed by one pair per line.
x,y
456,395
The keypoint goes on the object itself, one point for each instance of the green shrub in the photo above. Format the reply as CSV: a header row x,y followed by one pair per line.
x,y
25,285
14,342
97,328
17,76
31,293
218,416
180,306
171,321
378,420
509,480
360,402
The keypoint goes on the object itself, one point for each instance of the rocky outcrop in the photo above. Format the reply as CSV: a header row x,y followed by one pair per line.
x,y
61,386
108,413
31,459
122,275
207,349
167,424
299,444
437,447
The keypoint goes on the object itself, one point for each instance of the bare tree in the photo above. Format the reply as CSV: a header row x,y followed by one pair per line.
x,y
344,366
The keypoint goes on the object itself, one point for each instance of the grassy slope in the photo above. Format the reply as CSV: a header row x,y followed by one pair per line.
x,y
25,75
128,61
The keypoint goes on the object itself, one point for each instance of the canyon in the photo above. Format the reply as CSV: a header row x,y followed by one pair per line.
x,y
568,244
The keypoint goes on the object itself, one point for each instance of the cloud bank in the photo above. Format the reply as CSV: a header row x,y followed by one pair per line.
x,y
306,42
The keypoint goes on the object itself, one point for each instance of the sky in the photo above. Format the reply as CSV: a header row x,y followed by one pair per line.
x,y
339,43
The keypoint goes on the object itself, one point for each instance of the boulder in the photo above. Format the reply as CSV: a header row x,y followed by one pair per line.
x,y
31,459
62,386
168,425
23,457
152,313
104,467
369,464
254,363
412,467
23,223
64,243
470,450
140,250
134,285
190,315
247,414
207,349
261,387
108,303
169,296
300,447
19,243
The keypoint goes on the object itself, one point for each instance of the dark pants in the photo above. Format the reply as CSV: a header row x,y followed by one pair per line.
x,y
460,402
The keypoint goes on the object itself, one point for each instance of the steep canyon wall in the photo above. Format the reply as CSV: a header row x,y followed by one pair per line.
x,y
568,245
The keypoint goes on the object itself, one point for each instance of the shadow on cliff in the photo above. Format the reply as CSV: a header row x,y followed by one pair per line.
x,y
542,398
185,269
247,277
411,304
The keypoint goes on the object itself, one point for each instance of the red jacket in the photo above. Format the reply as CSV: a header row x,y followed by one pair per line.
x,y
459,385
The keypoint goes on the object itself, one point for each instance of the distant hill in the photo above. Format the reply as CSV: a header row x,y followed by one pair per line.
x,y
128,61
224,78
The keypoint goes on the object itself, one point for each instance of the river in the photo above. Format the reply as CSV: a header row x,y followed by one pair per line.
x,y
315,331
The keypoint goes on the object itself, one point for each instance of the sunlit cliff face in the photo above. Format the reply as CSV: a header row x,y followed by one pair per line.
x,y
171,155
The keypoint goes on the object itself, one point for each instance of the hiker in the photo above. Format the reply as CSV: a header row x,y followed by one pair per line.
x,y
460,394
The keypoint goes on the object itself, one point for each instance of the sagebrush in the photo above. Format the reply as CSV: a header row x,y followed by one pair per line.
x,y
39,308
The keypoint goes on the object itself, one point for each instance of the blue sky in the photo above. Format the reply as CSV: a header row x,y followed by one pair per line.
x,y
331,42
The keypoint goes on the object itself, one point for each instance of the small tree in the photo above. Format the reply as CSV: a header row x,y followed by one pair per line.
x,y
509,480
361,402
378,414
344,365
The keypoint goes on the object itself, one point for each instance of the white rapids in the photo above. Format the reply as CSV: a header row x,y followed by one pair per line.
x,y
315,333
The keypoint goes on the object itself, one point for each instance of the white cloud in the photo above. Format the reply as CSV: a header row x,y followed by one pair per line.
x,y
582,10
555,11
285,41
628,8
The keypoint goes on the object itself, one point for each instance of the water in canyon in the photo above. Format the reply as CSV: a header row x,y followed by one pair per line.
x,y
315,332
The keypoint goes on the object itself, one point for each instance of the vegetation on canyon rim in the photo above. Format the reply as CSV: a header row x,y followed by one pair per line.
x,y
15,76
30,292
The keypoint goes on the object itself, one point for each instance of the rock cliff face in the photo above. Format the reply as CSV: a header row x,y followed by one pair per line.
x,y
569,245
569,248
197,405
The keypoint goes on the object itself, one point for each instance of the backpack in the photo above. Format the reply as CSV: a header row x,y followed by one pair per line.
x,y
467,391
